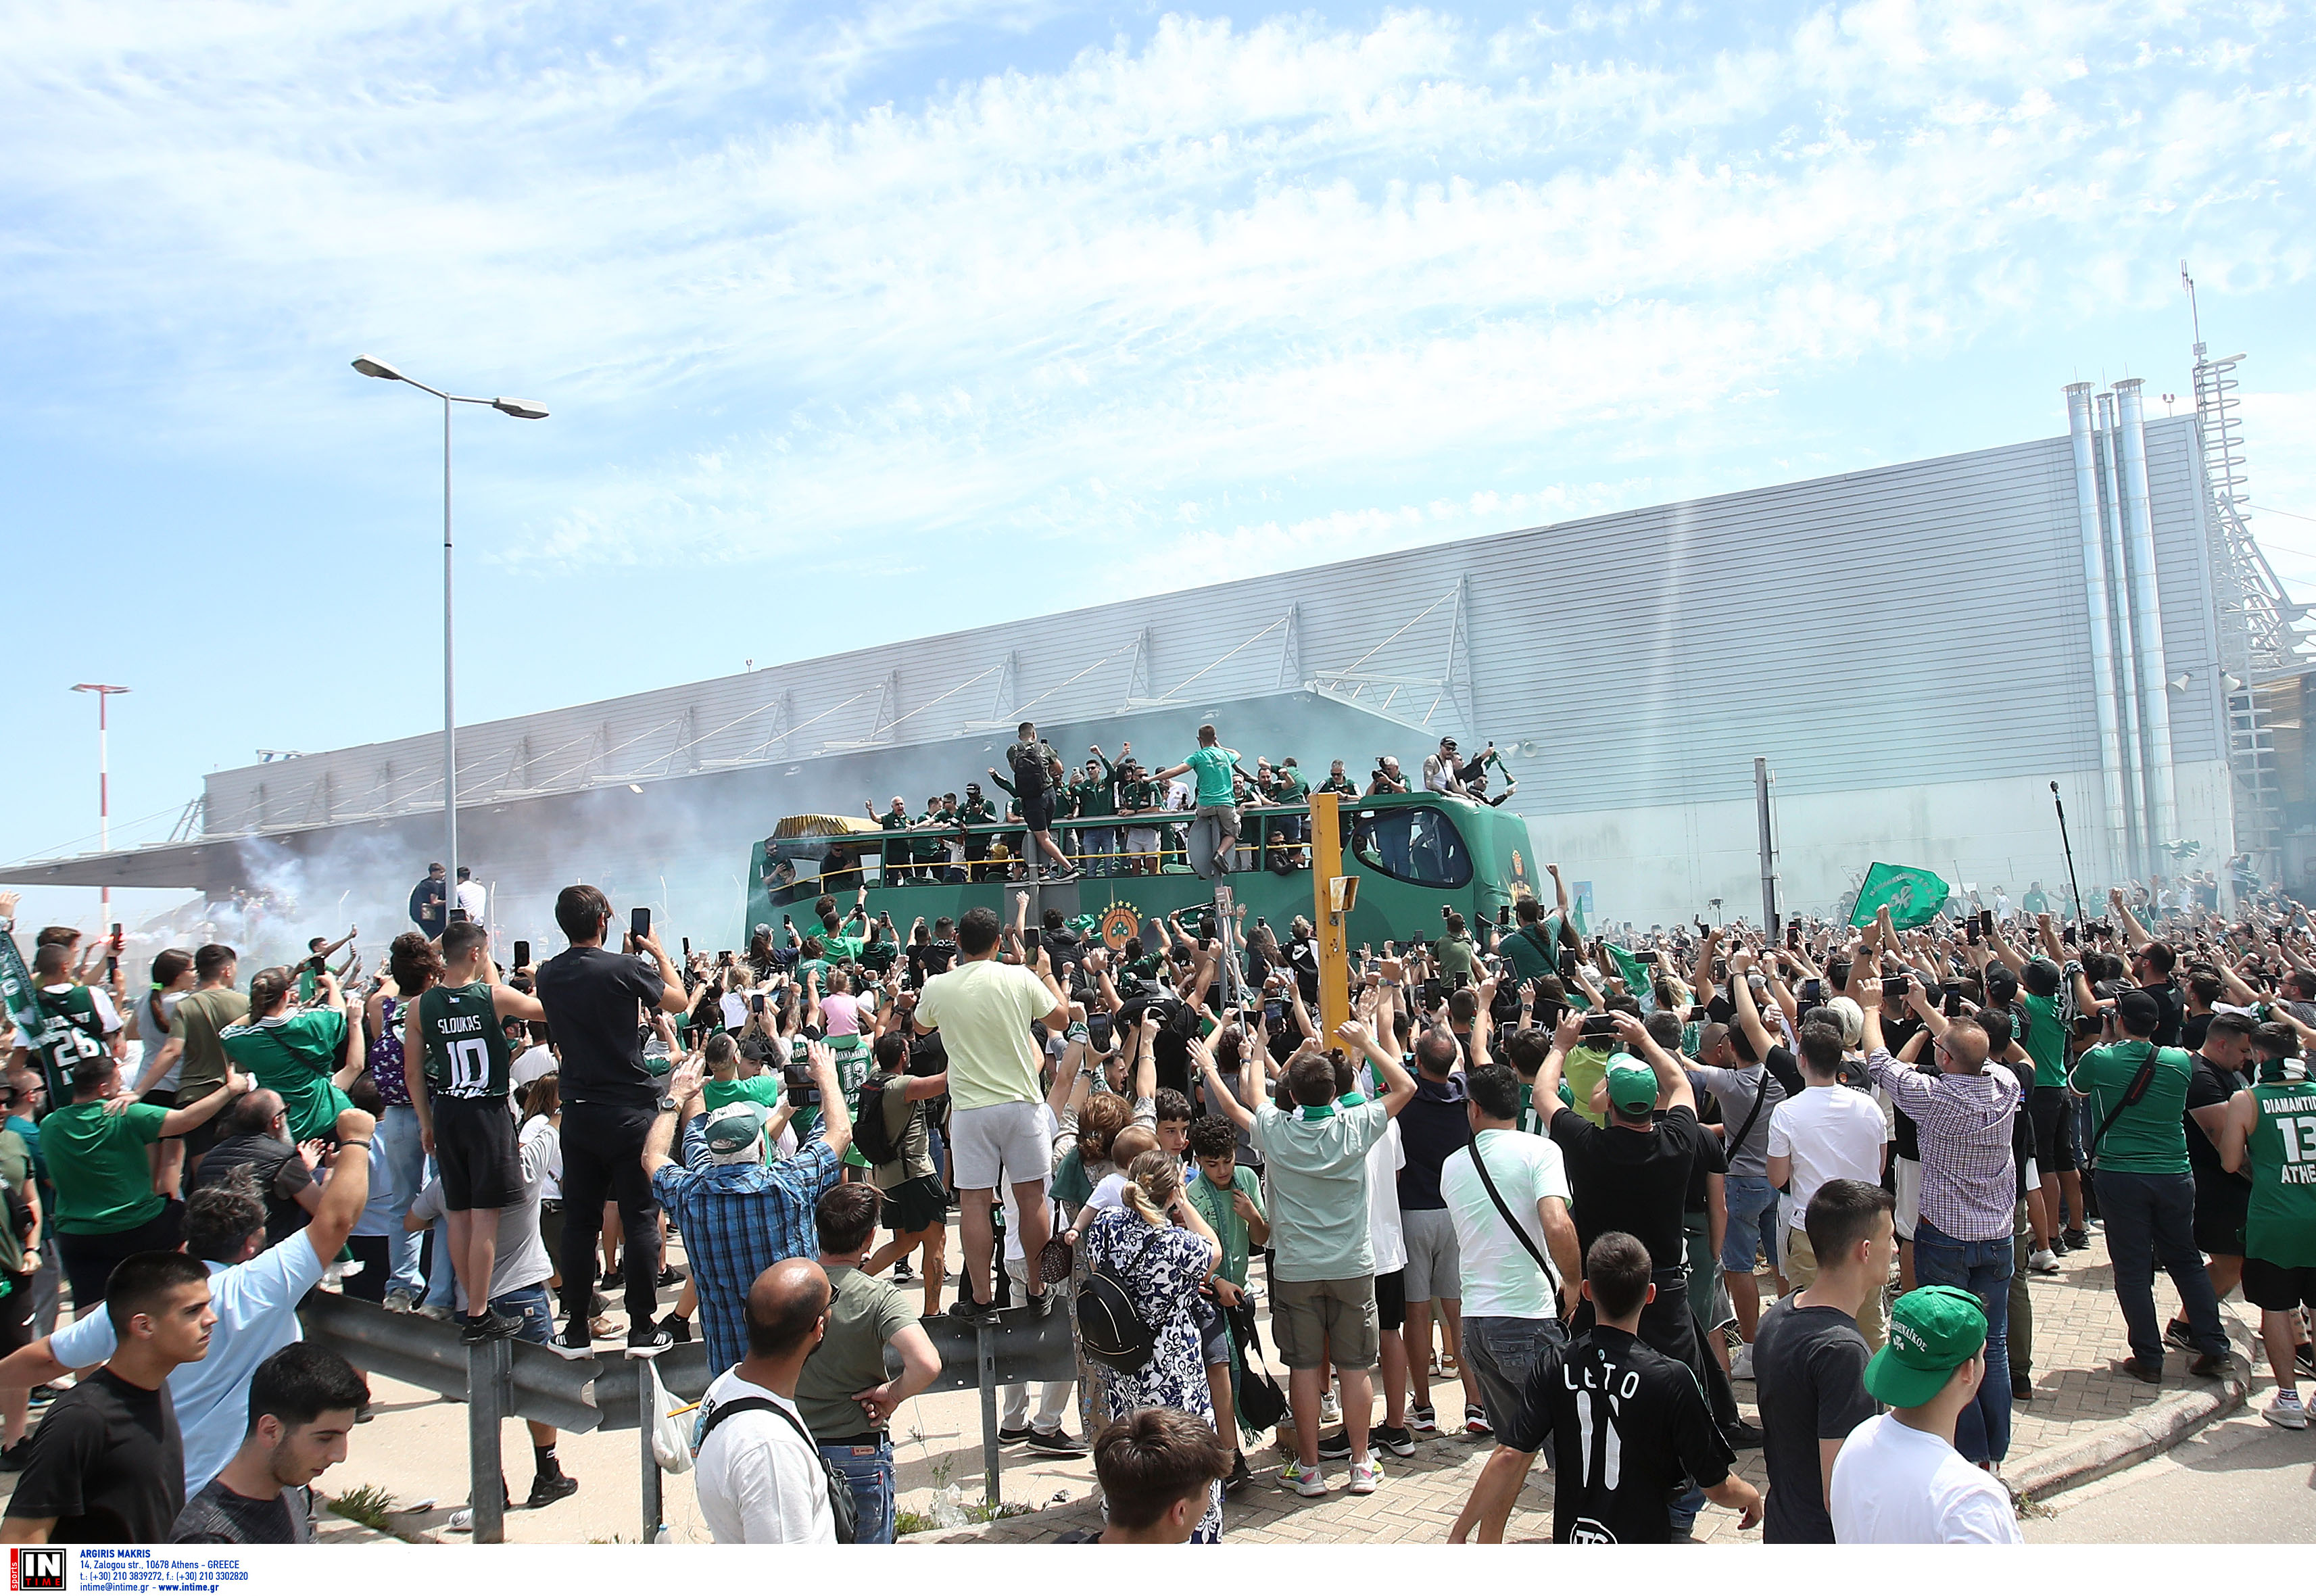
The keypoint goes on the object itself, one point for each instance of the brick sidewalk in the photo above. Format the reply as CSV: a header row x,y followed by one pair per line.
x,y
2079,1387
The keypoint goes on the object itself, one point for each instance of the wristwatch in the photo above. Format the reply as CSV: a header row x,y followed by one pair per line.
x,y
667,1105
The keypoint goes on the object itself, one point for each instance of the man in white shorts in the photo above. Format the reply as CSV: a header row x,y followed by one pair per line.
x,y
984,1010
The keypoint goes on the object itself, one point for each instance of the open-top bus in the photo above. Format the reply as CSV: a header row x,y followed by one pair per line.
x,y
1414,854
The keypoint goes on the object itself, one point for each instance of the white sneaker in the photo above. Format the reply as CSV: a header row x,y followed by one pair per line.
x,y
1305,1482
2285,1412
461,1521
1365,1476
1331,1410
1740,1362
2044,1262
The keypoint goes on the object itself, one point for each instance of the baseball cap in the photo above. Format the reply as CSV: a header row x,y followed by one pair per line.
x,y
2139,1011
1934,1330
1631,1084
733,1127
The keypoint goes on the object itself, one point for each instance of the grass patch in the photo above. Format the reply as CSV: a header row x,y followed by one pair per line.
x,y
908,1523
366,1505
905,1523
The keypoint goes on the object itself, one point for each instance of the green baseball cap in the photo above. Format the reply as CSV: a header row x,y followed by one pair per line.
x,y
1934,1330
733,1127
1631,1084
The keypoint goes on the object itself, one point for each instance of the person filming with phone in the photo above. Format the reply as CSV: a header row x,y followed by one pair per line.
x,y
597,1002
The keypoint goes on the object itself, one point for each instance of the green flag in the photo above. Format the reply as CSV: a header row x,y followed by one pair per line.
x,y
1912,897
1639,979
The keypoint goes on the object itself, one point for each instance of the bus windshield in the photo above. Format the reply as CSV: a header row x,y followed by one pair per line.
x,y
1421,846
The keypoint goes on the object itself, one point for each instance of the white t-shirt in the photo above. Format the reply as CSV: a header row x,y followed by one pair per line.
x,y
1894,1485
735,1009
1109,1197
1831,1133
256,1305
532,1062
1499,1278
1385,1159
758,1483
470,899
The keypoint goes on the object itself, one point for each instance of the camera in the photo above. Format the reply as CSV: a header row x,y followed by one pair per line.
x,y
802,1091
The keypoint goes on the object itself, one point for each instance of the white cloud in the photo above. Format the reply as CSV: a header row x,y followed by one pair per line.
x,y
1267,282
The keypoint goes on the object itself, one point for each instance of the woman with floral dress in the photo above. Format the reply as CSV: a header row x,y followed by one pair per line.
x,y
1162,1252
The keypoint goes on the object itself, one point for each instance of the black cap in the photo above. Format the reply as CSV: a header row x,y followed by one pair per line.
x,y
2139,1011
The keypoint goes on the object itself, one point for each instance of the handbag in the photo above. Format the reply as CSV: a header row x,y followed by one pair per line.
x,y
1261,1405
1056,1259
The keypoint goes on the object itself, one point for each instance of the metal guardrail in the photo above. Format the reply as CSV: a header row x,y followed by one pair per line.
x,y
511,1379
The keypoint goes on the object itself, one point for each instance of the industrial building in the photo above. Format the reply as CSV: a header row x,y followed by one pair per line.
x,y
1918,652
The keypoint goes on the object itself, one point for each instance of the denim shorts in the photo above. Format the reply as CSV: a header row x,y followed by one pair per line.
x,y
1752,1223
529,1303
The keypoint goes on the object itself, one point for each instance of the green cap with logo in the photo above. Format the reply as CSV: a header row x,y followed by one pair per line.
x,y
1934,1330
733,1129
1631,1084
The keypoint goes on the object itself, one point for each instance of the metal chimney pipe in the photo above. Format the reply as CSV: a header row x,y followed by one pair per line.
x,y
2126,655
2146,606
2102,630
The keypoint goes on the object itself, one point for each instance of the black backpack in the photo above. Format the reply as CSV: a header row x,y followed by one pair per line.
x,y
868,1133
1110,1328
842,1508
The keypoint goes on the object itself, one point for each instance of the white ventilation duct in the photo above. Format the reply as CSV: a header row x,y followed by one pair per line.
x,y
2137,848
2095,585
2147,620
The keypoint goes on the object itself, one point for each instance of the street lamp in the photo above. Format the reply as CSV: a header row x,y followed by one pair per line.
x,y
504,406
104,787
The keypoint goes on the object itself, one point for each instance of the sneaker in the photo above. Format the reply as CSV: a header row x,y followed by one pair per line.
x,y
488,1326
2146,1373
1475,1420
2059,1245
436,1311
461,1521
401,1299
679,1330
1013,1434
964,1308
901,1273
1744,1437
1423,1420
651,1339
614,1278
1740,1362
2214,1365
2304,1357
1335,1445
1399,1442
1056,1443
1365,1476
2176,1333
1330,1410
2022,1387
2285,1413
545,1492
672,1275
1303,1482
2044,1262
1237,1479
2076,1240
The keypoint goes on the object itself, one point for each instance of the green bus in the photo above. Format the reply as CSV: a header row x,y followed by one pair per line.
x,y
1414,854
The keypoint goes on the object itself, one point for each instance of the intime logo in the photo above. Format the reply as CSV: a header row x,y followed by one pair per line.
x,y
36,1568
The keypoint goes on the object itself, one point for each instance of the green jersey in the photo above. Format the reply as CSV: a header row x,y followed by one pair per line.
x,y
2281,1227
1342,785
295,1053
466,1054
2149,1137
1532,950
1143,795
931,847
2044,1039
103,1175
72,1031
977,811
1213,768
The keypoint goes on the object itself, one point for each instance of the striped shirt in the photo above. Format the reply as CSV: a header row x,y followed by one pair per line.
x,y
1970,1185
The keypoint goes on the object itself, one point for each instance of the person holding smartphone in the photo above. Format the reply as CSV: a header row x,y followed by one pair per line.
x,y
595,1002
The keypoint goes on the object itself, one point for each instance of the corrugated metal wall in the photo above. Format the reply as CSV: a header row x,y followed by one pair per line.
x,y
1922,621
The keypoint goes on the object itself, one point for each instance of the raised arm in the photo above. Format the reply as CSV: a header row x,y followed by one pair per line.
x,y
1672,1076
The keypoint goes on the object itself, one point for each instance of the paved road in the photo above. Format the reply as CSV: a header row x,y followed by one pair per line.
x,y
2240,1481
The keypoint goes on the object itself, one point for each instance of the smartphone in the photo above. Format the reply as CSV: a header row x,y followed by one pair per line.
x,y
1951,1005
1273,1009
1986,922
1794,937
458,915
1970,931
1646,956
756,1002
521,954
1102,1028
2067,935
687,949
117,942
1896,986
639,923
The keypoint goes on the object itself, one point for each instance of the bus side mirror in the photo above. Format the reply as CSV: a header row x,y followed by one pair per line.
x,y
1342,894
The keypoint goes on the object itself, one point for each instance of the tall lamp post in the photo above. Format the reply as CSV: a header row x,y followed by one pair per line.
x,y
104,787
525,412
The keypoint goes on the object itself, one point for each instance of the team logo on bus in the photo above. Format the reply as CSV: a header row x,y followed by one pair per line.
x,y
1519,866
1120,922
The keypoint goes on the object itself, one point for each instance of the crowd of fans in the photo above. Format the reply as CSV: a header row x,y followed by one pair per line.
x,y
1590,1187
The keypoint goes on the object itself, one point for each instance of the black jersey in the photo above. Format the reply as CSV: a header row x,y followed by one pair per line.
x,y
467,1053
1627,1424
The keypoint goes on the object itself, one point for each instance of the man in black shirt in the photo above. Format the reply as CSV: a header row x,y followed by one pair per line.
x,y
108,1464
303,1402
427,902
2222,1199
1627,1424
1810,1358
596,1002
255,1135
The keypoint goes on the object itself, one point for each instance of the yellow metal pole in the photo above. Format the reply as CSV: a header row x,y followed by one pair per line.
x,y
1334,953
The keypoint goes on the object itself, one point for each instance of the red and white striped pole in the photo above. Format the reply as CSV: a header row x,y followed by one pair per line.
x,y
103,790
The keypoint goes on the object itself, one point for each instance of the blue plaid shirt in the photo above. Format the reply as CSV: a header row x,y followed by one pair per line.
x,y
738,1220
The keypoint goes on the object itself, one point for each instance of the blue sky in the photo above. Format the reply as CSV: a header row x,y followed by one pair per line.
x,y
864,319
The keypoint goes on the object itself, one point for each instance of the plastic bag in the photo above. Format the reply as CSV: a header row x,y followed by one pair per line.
x,y
671,1442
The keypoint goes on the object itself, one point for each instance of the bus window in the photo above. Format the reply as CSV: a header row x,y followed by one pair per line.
x,y
1422,846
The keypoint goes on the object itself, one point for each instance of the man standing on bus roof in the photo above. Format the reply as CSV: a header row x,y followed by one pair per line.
x,y
1036,779
1214,835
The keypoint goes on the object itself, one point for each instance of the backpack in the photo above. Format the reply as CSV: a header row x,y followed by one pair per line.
x,y
842,1508
1110,1328
868,1133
